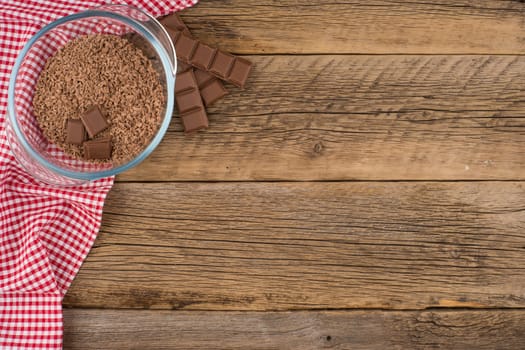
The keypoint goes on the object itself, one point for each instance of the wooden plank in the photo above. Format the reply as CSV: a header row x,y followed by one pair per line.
x,y
131,329
373,26
358,117
280,246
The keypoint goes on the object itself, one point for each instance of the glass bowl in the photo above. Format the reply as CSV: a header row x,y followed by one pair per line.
x,y
42,159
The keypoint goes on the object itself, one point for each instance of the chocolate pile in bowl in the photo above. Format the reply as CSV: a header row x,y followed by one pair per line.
x,y
104,72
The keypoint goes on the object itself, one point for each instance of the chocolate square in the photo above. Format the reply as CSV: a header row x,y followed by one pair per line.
x,y
240,72
185,81
75,132
94,121
203,77
203,56
213,92
98,149
174,34
182,67
173,21
185,46
186,101
222,64
195,120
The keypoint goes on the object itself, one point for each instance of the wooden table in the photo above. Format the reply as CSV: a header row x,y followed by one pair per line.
x,y
365,191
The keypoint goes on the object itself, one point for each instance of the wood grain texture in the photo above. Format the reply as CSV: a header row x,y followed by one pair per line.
x,y
354,330
373,26
357,117
188,253
279,246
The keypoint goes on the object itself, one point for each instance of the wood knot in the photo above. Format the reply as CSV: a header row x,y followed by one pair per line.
x,y
318,147
327,342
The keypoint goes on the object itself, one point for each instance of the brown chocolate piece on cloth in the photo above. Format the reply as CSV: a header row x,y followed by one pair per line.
x,y
94,121
240,72
98,149
213,92
195,120
75,132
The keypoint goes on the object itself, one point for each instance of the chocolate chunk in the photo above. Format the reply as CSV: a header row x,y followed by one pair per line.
x,y
213,92
185,81
75,132
174,21
219,63
185,46
94,121
240,72
186,101
182,67
210,87
203,56
222,64
98,149
174,34
203,77
189,102
195,120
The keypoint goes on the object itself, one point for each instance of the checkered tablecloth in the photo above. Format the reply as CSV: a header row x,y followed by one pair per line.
x,y
45,231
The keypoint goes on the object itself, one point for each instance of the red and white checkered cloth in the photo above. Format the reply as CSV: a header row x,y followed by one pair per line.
x,y
45,231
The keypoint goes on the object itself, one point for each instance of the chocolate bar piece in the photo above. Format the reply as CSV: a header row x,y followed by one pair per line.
x,y
75,132
182,67
174,21
240,72
189,102
222,64
203,78
203,56
211,88
174,34
195,120
185,81
185,46
94,121
98,149
213,92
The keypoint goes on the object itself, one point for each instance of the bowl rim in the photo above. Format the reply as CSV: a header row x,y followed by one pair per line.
x,y
170,69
